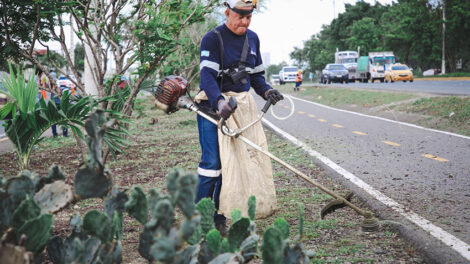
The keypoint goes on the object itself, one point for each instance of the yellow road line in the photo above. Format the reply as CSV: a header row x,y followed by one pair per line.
x,y
429,156
3,139
310,115
286,106
301,112
337,125
359,133
322,120
391,143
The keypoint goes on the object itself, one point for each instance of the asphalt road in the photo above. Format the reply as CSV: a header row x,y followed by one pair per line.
x,y
426,171
449,87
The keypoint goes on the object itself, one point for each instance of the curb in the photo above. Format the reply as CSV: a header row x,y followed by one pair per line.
x,y
443,79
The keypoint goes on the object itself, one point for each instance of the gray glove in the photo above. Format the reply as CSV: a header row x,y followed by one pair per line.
x,y
274,95
226,108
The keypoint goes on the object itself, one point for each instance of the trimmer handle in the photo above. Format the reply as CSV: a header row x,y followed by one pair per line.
x,y
266,106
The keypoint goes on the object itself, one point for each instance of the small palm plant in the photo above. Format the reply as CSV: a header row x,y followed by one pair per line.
x,y
31,118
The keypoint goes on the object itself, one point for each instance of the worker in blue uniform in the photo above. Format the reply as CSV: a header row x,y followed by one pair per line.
x,y
230,61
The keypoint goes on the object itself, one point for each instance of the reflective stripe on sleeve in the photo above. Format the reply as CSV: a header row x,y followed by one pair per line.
x,y
208,173
258,68
209,64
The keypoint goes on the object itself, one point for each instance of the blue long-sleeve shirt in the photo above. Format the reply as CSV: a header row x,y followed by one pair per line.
x,y
210,64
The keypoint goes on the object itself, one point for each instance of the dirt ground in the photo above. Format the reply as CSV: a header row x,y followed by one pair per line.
x,y
172,142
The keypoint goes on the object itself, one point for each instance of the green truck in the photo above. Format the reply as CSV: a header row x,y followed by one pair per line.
x,y
363,69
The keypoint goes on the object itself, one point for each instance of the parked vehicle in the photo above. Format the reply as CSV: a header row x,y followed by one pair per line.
x,y
374,66
379,62
398,72
64,82
363,69
349,60
287,74
275,79
334,73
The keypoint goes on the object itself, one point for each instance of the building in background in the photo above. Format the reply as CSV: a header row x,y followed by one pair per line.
x,y
266,57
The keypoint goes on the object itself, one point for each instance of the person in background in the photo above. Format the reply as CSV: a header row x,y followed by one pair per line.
x,y
298,80
54,127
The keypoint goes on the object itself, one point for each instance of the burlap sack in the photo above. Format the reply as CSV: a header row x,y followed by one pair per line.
x,y
245,171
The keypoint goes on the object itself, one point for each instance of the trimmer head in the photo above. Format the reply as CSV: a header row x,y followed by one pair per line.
x,y
334,205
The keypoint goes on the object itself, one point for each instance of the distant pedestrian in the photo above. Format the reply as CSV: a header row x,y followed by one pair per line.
x,y
298,80
54,127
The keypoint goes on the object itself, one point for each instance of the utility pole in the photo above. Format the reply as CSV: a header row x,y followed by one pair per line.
x,y
334,10
443,66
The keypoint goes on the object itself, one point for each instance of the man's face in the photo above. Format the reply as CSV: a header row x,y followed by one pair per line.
x,y
237,23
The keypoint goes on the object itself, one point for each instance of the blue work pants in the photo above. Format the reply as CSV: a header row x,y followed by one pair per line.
x,y
209,170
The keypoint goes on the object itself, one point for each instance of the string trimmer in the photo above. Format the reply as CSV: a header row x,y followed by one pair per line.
x,y
171,96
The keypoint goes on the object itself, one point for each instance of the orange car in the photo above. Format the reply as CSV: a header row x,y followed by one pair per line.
x,y
398,72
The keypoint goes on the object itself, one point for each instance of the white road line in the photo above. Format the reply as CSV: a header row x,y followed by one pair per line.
x,y
384,119
453,242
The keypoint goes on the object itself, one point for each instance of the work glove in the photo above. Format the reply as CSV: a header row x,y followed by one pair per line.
x,y
274,95
226,108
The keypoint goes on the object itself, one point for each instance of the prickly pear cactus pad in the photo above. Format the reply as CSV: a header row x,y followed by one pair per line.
x,y
37,231
27,210
54,196
98,224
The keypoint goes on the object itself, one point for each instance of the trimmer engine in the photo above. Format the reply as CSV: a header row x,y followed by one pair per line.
x,y
169,91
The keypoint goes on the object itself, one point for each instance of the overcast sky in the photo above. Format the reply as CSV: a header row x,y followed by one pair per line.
x,y
286,24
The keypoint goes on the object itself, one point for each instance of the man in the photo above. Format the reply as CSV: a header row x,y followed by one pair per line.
x,y
230,63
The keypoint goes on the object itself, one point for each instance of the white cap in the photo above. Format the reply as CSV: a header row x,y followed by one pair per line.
x,y
240,3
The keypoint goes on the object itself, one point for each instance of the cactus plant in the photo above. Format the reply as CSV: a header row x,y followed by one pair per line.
x,y
27,210
55,174
272,246
98,224
115,201
236,215
20,186
238,232
214,241
282,225
37,231
92,179
252,207
137,206
54,196
207,209
277,248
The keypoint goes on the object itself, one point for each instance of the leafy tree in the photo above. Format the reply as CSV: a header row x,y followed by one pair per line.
x,y
20,28
457,30
139,34
274,69
317,55
366,34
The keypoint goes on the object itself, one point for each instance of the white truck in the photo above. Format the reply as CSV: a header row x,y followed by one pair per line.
x,y
287,74
379,62
349,60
